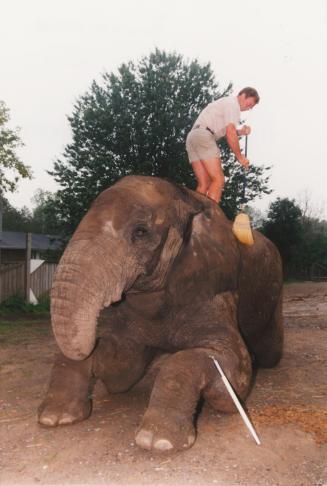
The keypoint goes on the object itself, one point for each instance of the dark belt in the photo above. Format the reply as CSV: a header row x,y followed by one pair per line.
x,y
207,128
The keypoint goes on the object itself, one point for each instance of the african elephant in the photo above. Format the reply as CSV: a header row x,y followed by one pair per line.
x,y
164,262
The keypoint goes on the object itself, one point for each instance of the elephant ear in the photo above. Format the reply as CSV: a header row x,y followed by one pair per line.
x,y
195,212
161,263
188,205
212,249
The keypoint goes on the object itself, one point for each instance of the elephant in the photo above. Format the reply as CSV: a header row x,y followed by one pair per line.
x,y
162,265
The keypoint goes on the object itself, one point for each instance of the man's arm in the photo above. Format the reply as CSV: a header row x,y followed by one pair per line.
x,y
232,140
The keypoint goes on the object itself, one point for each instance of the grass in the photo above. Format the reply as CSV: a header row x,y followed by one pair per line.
x,y
20,321
16,305
292,280
20,325
19,329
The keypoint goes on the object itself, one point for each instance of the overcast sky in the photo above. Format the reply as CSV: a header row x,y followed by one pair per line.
x,y
51,51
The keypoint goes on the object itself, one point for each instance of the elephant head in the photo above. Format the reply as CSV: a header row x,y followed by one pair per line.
x,y
127,242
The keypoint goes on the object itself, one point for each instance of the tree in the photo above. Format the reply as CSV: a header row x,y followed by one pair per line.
x,y
283,226
257,217
42,219
12,169
310,210
45,218
136,122
15,219
312,249
300,238
240,187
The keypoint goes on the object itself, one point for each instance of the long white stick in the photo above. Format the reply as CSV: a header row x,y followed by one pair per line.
x,y
236,401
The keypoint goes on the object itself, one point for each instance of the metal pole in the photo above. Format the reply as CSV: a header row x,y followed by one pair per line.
x,y
1,209
28,266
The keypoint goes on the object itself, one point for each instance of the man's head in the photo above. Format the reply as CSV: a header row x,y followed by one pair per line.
x,y
248,98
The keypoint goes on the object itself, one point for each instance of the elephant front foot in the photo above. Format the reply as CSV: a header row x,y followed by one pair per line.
x,y
52,412
165,432
67,400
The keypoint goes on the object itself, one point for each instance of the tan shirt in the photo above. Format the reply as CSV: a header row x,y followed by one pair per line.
x,y
218,114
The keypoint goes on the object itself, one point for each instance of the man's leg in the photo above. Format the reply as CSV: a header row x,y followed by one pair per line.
x,y
202,177
214,170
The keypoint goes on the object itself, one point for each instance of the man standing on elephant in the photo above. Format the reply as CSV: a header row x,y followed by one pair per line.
x,y
220,118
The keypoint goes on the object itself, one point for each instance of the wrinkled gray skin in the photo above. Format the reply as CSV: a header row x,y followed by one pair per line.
x,y
181,283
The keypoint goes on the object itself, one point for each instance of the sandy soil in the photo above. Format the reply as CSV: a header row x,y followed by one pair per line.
x,y
288,407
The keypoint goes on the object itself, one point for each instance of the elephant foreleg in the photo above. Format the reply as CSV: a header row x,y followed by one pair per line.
x,y
183,378
67,400
119,362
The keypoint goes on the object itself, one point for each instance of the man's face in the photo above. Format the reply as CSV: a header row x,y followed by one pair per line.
x,y
246,103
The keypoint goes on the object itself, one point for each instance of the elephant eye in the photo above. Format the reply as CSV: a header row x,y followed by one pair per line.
x,y
139,232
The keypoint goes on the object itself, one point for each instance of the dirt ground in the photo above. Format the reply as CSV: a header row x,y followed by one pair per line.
x,y
288,407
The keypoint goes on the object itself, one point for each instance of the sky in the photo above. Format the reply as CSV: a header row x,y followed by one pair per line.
x,y
52,51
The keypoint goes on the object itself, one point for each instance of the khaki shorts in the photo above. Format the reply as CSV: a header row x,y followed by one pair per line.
x,y
201,145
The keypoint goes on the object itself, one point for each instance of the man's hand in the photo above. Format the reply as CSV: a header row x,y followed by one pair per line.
x,y
244,161
245,130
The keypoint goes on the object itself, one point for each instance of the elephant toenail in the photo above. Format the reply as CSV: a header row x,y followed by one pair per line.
x,y
191,440
144,439
66,419
49,421
163,445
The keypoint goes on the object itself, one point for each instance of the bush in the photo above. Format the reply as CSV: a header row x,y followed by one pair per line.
x,y
16,304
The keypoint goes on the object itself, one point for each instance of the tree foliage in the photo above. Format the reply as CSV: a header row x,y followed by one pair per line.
x,y
301,240
12,169
283,226
15,219
241,187
45,217
42,219
136,122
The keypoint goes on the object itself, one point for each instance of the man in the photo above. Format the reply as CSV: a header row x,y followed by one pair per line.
x,y
220,118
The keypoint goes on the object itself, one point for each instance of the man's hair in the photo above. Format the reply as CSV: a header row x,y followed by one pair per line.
x,y
250,92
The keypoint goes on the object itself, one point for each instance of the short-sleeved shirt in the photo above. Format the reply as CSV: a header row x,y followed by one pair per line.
x,y
218,114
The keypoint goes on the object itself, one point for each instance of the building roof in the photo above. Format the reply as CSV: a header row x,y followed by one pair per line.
x,y
16,240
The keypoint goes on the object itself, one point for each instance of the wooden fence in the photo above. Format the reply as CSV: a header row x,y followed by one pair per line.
x,y
318,272
41,278
12,279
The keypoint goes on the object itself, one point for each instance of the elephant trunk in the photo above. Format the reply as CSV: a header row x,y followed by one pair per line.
x,y
83,285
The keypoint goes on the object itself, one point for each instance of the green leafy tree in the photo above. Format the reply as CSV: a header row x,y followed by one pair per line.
x,y
12,169
42,219
241,187
15,219
45,218
284,227
136,122
310,253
